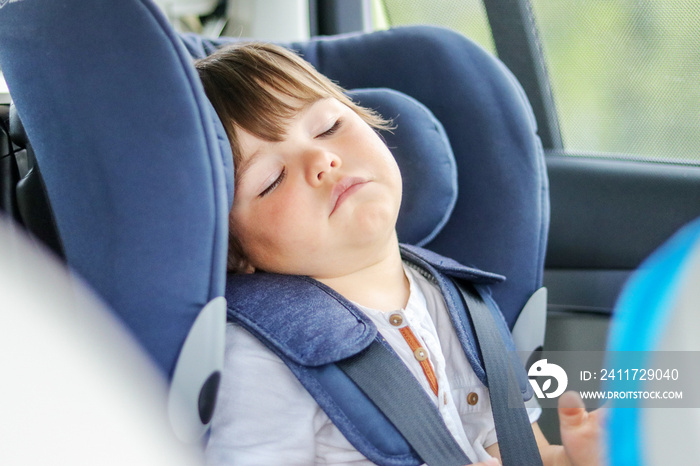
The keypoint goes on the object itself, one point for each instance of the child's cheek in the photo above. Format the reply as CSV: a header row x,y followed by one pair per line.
x,y
288,211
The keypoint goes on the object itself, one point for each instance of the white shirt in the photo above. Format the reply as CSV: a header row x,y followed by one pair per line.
x,y
264,416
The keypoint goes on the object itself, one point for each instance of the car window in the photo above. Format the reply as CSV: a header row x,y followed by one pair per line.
x,y
465,16
624,74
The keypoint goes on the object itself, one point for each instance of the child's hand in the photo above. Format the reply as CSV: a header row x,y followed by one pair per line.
x,y
580,431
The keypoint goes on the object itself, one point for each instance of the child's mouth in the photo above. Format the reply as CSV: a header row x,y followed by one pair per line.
x,y
344,189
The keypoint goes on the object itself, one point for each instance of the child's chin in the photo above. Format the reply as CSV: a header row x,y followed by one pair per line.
x,y
374,224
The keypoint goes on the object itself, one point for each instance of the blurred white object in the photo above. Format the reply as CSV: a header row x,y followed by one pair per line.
x,y
76,388
179,8
184,14
270,20
273,20
4,91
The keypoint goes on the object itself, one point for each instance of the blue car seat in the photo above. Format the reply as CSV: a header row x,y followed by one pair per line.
x,y
138,171
501,217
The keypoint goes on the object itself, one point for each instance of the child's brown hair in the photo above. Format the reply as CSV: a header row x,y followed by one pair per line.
x,y
257,87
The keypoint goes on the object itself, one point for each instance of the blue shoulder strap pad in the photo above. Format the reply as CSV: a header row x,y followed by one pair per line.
x,y
283,312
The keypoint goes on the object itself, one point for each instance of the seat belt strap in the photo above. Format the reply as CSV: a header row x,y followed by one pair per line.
x,y
380,373
516,439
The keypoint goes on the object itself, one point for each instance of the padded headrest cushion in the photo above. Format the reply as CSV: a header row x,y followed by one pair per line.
x,y
425,158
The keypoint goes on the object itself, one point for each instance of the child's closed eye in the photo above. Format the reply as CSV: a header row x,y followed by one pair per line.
x,y
330,131
274,184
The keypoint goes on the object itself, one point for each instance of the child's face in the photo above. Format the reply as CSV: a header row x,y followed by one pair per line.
x,y
322,202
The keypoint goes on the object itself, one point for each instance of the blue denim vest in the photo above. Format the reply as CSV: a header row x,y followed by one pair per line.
x,y
311,327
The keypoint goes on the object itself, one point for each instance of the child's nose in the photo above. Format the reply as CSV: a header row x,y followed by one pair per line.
x,y
320,164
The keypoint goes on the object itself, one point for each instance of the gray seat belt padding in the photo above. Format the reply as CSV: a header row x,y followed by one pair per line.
x,y
516,440
379,374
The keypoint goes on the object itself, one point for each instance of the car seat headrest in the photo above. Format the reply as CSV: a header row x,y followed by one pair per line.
x,y
425,158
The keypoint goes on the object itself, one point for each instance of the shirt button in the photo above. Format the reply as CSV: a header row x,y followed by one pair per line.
x,y
420,354
396,320
472,398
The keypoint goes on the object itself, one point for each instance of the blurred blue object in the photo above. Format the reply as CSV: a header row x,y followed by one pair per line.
x,y
657,312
